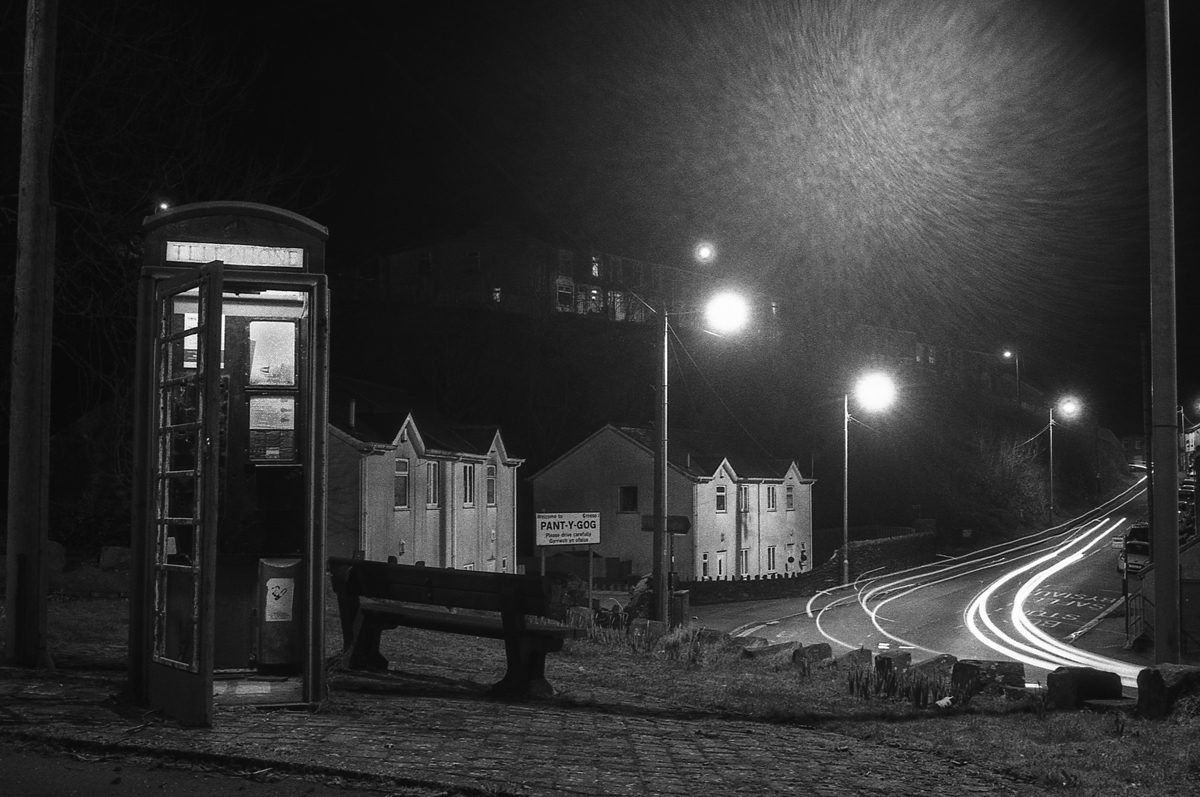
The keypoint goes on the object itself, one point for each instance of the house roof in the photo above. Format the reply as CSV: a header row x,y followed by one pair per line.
x,y
381,411
698,455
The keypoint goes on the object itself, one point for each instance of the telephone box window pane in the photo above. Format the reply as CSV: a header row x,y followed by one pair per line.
x,y
273,428
273,353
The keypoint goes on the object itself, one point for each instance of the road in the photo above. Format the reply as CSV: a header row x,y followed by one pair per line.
x,y
1024,600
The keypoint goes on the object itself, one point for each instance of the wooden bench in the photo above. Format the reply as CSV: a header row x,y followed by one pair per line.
x,y
377,596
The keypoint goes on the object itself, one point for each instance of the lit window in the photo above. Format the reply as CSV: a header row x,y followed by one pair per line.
x,y
491,485
433,484
401,485
743,498
721,498
496,295
565,292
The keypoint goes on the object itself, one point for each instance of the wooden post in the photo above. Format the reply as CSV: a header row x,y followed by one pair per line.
x,y
1164,441
33,289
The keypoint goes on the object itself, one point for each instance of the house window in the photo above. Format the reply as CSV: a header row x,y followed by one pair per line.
x,y
468,485
720,566
401,485
596,267
496,292
770,558
627,498
790,497
721,498
433,484
704,564
743,498
743,561
565,293
771,498
491,485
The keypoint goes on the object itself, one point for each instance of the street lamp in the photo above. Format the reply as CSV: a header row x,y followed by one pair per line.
x,y
1015,356
726,312
873,392
1068,407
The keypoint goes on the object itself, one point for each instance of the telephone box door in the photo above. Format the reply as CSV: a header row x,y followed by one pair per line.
x,y
184,436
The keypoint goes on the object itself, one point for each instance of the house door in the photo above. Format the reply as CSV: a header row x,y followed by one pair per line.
x,y
184,435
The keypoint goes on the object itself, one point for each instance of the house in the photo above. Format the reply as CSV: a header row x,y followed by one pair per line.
x,y
749,515
499,268
404,482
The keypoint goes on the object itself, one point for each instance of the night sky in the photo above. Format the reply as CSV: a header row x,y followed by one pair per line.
x,y
979,167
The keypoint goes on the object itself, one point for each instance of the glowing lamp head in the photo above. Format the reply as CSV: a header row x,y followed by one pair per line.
x,y
1069,407
727,312
705,252
875,391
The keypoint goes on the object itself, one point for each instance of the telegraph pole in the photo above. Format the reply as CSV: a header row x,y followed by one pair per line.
x,y
1164,430
33,289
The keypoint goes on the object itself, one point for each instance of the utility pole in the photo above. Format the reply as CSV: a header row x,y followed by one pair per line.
x,y
33,313
1164,431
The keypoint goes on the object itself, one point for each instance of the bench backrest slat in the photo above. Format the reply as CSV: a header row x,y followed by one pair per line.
x,y
460,589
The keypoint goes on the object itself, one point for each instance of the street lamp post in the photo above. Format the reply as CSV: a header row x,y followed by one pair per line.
x,y
874,391
661,598
726,312
1015,356
1069,407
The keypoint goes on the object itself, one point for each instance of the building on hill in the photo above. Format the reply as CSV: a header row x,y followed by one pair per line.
x,y
495,267
749,515
405,482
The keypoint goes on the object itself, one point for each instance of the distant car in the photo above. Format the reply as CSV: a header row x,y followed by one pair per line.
x,y
1135,553
1134,558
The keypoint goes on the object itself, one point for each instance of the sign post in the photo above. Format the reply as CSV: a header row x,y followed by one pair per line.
x,y
568,528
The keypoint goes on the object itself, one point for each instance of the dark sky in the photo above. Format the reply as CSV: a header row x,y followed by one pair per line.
x,y
977,167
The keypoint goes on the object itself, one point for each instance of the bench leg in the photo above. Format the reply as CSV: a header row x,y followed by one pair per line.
x,y
526,676
363,653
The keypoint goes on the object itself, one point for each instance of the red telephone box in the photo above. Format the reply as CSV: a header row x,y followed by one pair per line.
x,y
230,438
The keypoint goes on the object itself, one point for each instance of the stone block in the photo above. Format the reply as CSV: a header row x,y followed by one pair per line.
x,y
940,666
1160,686
1068,687
892,661
971,676
780,649
749,642
860,658
814,653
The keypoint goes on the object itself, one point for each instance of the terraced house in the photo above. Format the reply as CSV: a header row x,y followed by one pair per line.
x,y
748,515
404,482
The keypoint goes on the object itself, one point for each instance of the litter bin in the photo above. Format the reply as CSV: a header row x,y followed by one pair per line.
x,y
279,614
680,608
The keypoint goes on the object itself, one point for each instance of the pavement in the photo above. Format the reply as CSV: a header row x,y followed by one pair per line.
x,y
435,729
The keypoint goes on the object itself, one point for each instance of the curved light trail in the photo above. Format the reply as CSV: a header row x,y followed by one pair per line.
x,y
1024,565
